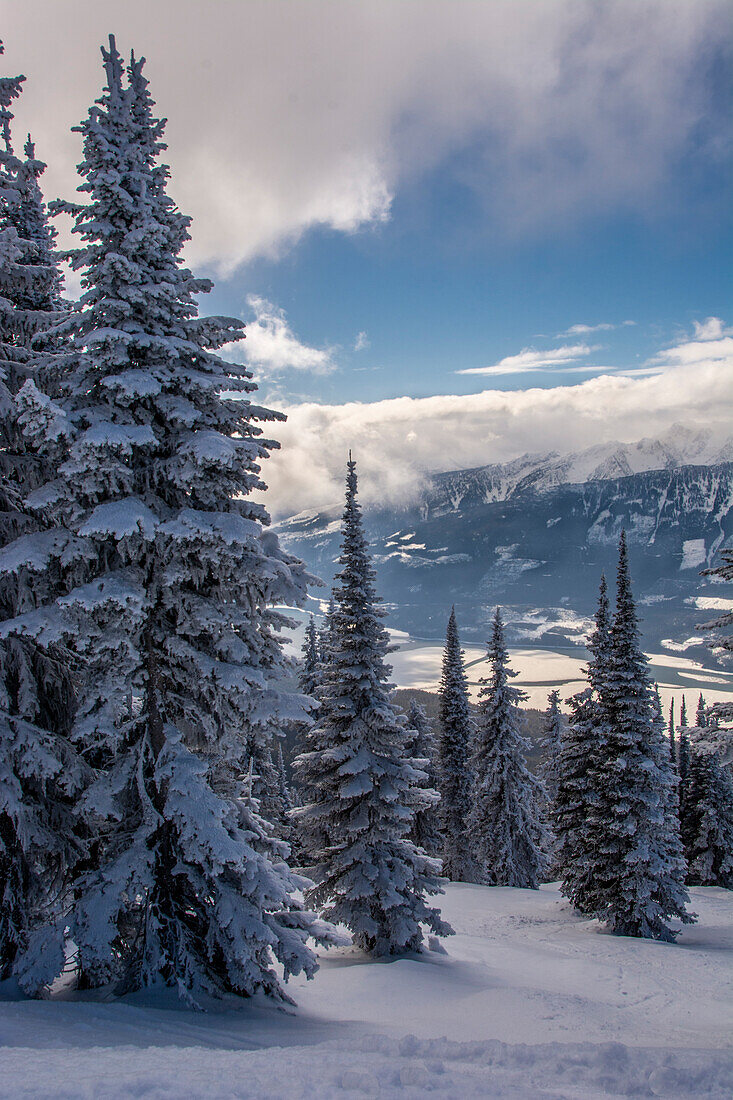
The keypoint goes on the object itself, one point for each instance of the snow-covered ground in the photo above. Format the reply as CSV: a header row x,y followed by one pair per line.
x,y
530,1001
540,669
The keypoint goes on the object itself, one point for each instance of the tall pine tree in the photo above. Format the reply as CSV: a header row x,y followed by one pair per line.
x,y
707,821
683,745
39,772
368,874
638,865
176,623
576,819
551,743
420,746
505,822
671,728
454,749
308,677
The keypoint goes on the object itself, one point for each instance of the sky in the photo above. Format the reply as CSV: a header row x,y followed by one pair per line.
x,y
457,231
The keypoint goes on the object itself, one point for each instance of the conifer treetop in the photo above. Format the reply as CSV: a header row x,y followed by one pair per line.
x,y
364,787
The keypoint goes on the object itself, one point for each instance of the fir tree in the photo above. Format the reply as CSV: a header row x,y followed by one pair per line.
x,y
307,839
454,747
285,795
683,751
551,744
700,717
672,742
420,746
326,631
505,823
176,624
707,821
638,865
308,678
368,874
576,821
39,772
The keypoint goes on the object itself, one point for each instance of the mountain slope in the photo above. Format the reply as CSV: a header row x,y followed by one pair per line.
x,y
521,536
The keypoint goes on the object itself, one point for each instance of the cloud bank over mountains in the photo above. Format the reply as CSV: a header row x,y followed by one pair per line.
x,y
285,117
398,442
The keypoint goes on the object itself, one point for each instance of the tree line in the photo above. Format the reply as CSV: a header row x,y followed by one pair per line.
x,y
620,813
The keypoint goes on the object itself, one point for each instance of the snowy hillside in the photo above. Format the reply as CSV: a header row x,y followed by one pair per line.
x,y
530,1001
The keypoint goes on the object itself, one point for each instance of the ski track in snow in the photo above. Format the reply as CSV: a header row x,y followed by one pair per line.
x,y
530,1001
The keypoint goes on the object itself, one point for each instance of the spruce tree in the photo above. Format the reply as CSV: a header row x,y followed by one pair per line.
x,y
707,821
420,746
683,749
368,874
308,676
505,822
40,774
454,749
551,744
576,820
176,625
700,717
284,785
672,742
638,865
324,634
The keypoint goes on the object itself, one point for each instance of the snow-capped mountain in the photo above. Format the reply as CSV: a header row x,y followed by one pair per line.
x,y
534,535
540,472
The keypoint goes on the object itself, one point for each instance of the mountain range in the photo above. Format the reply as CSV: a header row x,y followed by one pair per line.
x,y
533,535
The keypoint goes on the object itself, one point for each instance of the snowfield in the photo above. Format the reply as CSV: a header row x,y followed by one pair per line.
x,y
529,1001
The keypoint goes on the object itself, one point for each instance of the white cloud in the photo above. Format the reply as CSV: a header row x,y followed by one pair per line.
x,y
530,359
361,342
288,116
713,343
582,330
398,442
711,329
272,347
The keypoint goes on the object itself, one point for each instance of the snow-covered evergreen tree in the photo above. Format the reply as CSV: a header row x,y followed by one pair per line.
x,y
176,623
576,821
420,746
707,821
671,728
39,771
551,744
638,864
284,785
553,725
683,745
368,874
454,749
311,680
700,714
505,824
308,676
324,634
